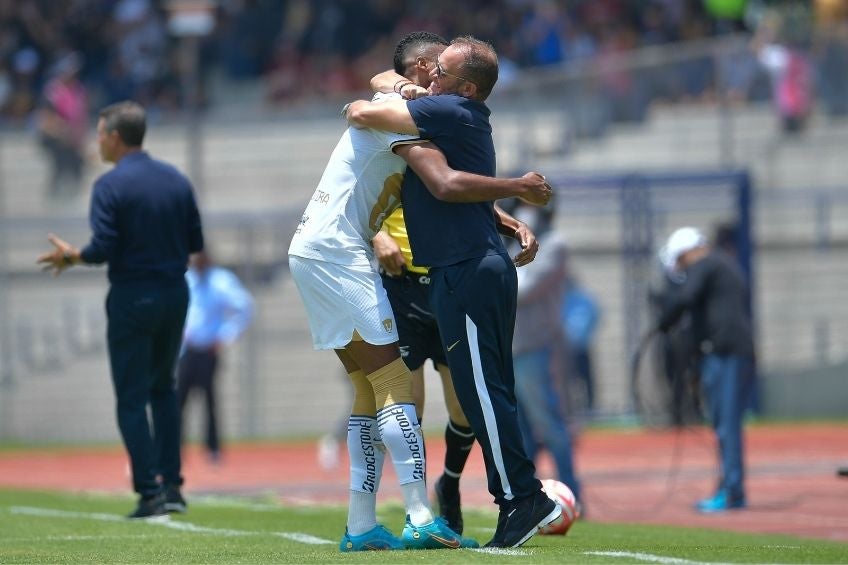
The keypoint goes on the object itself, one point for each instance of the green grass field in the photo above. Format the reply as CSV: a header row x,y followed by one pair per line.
x,y
40,527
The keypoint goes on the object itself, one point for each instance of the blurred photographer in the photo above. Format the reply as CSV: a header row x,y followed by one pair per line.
x,y
713,290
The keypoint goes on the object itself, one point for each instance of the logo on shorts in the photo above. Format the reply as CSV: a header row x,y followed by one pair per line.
x,y
454,344
387,323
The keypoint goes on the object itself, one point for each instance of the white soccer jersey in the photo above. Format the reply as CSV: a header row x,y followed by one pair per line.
x,y
360,187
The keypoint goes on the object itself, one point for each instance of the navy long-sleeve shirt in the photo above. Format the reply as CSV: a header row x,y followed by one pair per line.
x,y
144,221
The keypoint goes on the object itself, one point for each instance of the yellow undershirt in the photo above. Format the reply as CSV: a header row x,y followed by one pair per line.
x,y
395,226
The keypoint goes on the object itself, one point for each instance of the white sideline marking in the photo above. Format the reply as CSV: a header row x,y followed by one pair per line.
x,y
65,514
77,538
235,503
303,538
174,525
503,551
649,557
659,558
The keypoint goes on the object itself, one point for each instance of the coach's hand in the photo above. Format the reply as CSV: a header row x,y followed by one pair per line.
x,y
63,256
537,191
529,246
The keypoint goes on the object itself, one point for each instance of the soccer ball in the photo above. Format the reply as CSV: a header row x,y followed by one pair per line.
x,y
562,495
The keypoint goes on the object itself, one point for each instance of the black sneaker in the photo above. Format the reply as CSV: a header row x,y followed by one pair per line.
x,y
449,506
174,501
518,523
149,507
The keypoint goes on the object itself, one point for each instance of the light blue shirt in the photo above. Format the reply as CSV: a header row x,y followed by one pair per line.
x,y
219,310
580,316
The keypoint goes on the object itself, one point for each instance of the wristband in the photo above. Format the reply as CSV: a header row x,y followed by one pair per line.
x,y
400,84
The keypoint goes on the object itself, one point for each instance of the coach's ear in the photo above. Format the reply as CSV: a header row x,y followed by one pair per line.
x,y
468,90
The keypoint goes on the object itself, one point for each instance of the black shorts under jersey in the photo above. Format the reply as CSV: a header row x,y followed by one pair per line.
x,y
418,332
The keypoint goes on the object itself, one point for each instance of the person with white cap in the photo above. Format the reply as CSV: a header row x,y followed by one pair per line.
x,y
713,289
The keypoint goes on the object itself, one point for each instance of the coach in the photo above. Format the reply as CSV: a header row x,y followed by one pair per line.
x,y
144,223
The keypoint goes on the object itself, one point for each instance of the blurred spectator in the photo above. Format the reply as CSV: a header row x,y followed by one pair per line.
x,y
831,50
678,356
713,291
541,34
63,125
580,315
25,66
779,46
141,46
294,45
219,311
539,341
726,237
5,87
249,31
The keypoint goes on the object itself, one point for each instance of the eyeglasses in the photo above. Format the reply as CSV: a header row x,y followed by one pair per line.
x,y
440,72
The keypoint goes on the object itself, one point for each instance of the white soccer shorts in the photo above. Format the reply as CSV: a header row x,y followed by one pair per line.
x,y
340,299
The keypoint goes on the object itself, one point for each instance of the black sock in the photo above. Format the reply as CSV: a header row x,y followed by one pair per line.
x,y
458,443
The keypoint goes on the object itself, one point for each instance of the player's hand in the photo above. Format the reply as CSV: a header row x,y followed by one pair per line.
x,y
60,258
388,254
537,191
412,91
529,246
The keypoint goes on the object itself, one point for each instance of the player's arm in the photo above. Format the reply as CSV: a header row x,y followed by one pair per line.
x,y
390,81
450,185
389,115
510,227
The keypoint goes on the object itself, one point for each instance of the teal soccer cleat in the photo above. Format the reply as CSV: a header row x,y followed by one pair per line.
x,y
377,538
435,535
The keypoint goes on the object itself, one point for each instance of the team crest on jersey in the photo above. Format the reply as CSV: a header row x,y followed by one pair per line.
x,y
387,323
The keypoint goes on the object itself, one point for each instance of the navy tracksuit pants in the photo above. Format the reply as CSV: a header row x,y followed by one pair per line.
x,y
145,326
474,303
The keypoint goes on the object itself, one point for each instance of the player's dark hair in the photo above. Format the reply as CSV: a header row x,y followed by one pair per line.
x,y
480,65
128,119
413,45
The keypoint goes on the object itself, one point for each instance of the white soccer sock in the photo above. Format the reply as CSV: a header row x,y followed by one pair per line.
x,y
361,512
417,505
402,436
366,469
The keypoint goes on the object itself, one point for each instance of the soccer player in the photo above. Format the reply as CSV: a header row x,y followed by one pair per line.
x,y
473,283
349,312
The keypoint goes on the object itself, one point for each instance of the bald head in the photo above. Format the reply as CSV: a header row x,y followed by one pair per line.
x,y
480,64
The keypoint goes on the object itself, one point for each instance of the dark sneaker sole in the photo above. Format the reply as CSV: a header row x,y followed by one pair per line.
x,y
152,518
553,515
